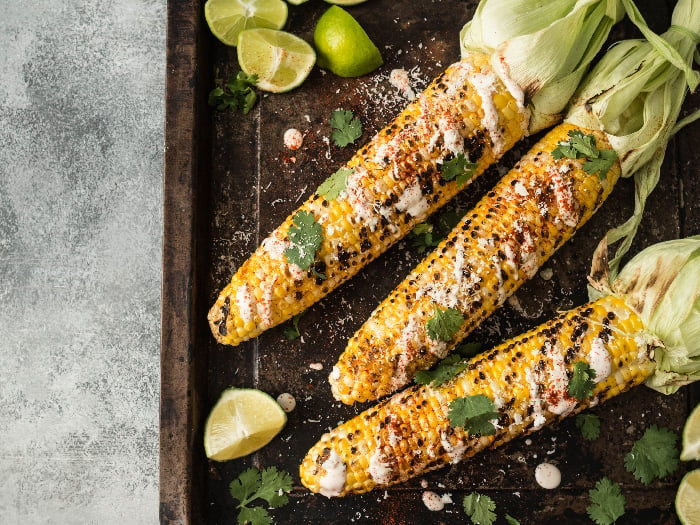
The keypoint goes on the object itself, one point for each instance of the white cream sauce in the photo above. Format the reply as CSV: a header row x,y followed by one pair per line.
x,y
333,482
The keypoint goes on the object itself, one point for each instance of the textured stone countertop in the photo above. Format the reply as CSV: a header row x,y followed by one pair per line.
x,y
81,134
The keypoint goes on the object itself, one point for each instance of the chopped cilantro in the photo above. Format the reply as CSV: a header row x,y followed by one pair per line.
x,y
654,455
335,184
473,413
458,169
346,127
589,425
237,94
305,238
270,485
581,383
580,146
426,235
448,367
292,332
444,324
607,502
479,508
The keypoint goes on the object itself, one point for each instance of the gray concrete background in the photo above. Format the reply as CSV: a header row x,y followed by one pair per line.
x,y
81,133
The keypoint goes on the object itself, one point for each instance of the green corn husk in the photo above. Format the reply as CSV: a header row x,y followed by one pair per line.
x,y
661,283
542,47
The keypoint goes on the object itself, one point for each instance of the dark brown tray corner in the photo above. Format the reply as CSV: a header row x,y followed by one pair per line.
x,y
194,369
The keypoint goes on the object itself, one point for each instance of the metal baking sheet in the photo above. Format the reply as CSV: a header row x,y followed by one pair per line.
x,y
229,180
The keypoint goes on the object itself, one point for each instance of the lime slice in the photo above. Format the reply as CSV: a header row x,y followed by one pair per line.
x,y
343,46
691,436
281,60
242,421
228,18
688,498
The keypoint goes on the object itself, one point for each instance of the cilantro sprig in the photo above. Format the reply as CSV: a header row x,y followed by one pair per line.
x,y
458,169
607,502
589,424
335,184
449,367
237,94
479,508
654,455
305,237
292,332
444,324
428,235
581,383
270,485
583,146
474,414
346,127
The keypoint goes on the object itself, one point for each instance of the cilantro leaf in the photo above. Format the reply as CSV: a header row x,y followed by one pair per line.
x,y
346,127
448,367
602,164
607,502
479,508
444,324
445,370
292,332
654,455
271,485
335,184
305,238
579,146
474,414
458,169
237,94
589,425
511,520
581,383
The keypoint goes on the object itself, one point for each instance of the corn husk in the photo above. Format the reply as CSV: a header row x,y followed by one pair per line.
x,y
543,47
639,111
662,284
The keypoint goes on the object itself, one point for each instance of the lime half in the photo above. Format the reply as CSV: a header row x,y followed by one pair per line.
x,y
228,18
281,60
242,421
688,498
343,46
691,436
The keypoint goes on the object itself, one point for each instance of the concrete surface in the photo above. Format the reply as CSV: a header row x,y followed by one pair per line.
x,y
81,132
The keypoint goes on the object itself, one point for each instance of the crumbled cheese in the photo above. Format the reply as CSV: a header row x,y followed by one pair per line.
x,y
563,195
245,301
316,366
400,80
456,451
599,360
413,202
293,139
380,468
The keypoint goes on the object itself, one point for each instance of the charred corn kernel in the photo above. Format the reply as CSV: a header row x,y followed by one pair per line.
x,y
527,380
495,248
395,183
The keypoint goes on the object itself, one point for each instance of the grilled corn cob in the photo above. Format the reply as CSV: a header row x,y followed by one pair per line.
x,y
642,327
474,109
531,212
395,183
494,249
526,378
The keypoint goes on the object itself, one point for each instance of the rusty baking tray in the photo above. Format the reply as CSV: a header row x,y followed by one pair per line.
x,y
229,180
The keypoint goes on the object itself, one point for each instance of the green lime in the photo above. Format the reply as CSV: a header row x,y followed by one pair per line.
x,y
343,46
281,60
228,18
691,436
688,498
242,421
345,2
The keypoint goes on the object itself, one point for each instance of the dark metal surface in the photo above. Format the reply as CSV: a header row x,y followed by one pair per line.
x,y
229,180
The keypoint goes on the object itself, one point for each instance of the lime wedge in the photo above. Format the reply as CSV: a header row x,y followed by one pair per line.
x,y
343,46
281,60
242,421
691,436
688,498
228,18
345,2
